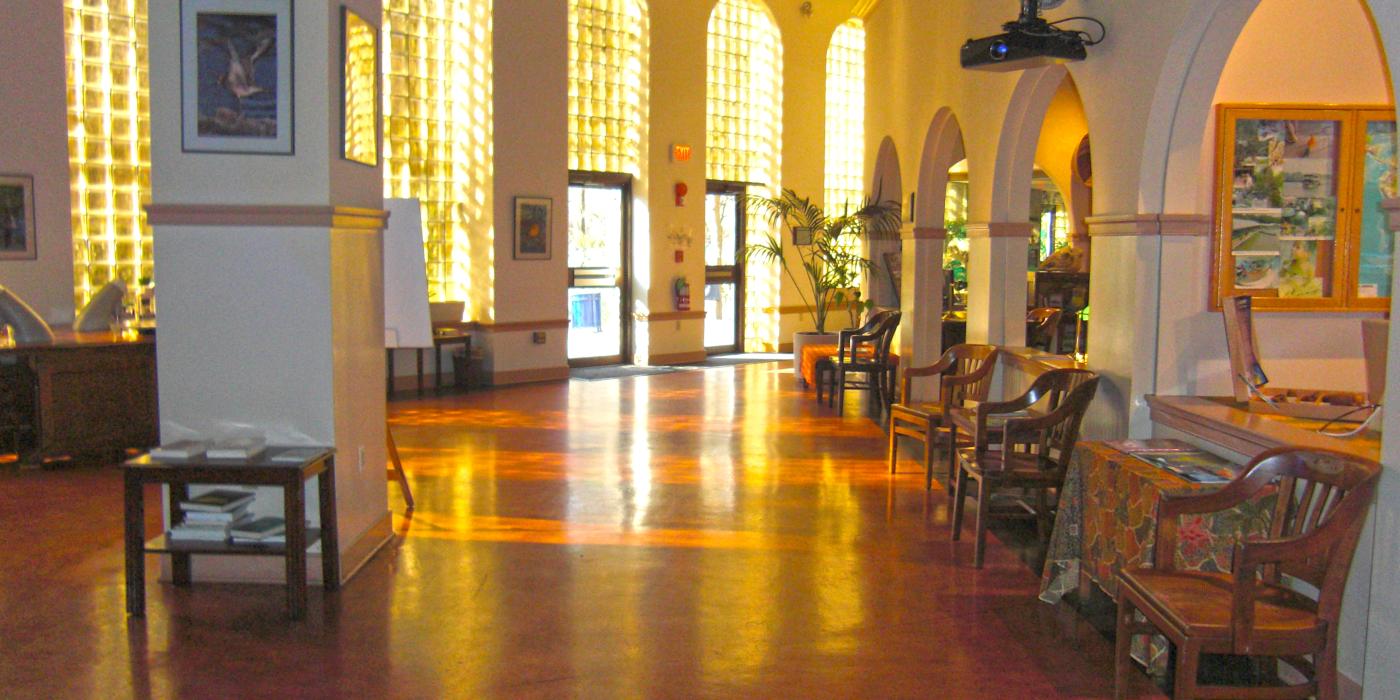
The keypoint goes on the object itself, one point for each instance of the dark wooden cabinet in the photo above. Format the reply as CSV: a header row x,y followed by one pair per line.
x,y
1068,291
86,396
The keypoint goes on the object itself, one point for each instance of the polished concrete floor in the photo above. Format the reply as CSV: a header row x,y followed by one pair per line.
x,y
710,534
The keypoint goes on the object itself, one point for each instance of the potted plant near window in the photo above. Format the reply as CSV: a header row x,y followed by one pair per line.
x,y
828,247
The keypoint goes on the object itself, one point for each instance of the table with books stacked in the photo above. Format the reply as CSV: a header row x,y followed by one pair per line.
x,y
220,520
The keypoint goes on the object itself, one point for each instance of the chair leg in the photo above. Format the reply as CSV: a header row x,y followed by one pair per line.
x,y
1042,516
1188,659
838,391
952,454
929,435
1122,648
894,444
979,549
959,491
1325,671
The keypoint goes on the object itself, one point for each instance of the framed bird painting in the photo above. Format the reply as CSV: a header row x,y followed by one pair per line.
x,y
236,76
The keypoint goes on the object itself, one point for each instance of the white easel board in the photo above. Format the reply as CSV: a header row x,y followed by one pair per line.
x,y
406,320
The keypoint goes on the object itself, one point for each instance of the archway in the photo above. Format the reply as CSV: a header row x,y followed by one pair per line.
x,y
1175,188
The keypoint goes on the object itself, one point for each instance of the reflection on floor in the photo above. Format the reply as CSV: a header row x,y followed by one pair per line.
x,y
695,534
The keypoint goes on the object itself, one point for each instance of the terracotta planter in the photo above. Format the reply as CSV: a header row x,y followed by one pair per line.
x,y
802,339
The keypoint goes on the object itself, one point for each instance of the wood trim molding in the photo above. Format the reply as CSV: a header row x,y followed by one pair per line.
x,y
670,316
527,376
1220,421
352,218
1392,210
927,233
1149,225
678,358
373,539
999,229
520,326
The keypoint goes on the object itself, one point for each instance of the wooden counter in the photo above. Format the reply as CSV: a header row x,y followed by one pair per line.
x,y
84,395
1224,422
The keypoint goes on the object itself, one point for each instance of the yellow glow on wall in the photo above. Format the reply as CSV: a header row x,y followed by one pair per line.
x,y
743,124
607,84
438,137
109,142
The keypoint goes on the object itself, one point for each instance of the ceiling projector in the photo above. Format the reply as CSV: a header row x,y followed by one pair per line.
x,y
1029,42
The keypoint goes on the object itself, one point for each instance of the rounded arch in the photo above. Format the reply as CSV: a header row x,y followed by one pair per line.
x,y
886,182
943,147
1020,135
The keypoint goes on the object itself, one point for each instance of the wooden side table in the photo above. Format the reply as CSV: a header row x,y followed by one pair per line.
x,y
179,474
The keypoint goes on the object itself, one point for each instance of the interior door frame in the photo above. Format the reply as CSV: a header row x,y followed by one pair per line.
x,y
735,272
589,178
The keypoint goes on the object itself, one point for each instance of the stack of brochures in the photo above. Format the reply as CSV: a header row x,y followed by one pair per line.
x,y
1182,459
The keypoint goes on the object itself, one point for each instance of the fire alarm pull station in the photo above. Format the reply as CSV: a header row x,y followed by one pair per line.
x,y
682,294
681,191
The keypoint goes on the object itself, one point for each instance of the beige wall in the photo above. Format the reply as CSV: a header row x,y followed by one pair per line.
x,y
34,141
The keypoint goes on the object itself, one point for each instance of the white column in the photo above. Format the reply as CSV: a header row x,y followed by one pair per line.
x,y
996,282
269,272
921,299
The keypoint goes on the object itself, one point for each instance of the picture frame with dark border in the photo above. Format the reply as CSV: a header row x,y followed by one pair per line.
x,y
18,234
360,121
533,216
236,77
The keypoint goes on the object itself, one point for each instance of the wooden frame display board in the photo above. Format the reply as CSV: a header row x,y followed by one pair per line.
x,y
1298,224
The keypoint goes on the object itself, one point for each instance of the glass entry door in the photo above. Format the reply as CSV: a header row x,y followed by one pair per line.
x,y
599,303
724,278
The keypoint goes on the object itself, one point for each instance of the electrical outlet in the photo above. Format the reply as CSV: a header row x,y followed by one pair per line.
x,y
362,459
538,337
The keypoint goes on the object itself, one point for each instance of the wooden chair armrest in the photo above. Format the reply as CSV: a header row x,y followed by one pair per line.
x,y
928,370
1232,494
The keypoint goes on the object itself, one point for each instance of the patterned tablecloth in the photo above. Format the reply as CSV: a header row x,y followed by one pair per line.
x,y
1107,521
812,354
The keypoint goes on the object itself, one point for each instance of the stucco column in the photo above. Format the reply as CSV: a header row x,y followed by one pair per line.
x,y
270,275
996,282
921,301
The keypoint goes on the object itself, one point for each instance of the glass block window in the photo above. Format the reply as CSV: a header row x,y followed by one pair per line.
x,y
607,84
744,94
437,136
109,142
845,118
743,123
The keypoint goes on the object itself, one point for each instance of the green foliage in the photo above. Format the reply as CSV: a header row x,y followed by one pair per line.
x,y
828,263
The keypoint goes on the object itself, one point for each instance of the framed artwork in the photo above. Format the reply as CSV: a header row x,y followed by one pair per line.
x,y
236,76
1298,224
802,235
532,217
359,113
17,233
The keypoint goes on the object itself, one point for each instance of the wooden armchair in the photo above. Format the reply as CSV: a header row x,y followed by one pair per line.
x,y
1322,501
866,354
1043,325
825,375
1022,444
965,374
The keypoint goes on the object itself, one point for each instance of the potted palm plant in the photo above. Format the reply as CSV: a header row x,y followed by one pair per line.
x,y
827,248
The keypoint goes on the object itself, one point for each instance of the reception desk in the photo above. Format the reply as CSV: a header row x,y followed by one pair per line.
x,y
85,396
1223,422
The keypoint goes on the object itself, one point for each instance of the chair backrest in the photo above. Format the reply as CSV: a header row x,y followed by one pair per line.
x,y
882,350
872,323
973,365
1061,397
1321,494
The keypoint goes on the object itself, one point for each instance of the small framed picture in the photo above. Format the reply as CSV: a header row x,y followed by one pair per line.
x,y
532,218
359,108
17,234
801,235
236,76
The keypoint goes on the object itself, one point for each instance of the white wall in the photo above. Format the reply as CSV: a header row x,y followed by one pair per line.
x,y
34,141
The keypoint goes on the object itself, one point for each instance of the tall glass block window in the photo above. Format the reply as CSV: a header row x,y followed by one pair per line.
x,y
845,117
437,136
109,142
743,122
607,84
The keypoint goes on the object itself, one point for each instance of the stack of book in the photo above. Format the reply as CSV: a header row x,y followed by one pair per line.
x,y
212,516
265,530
